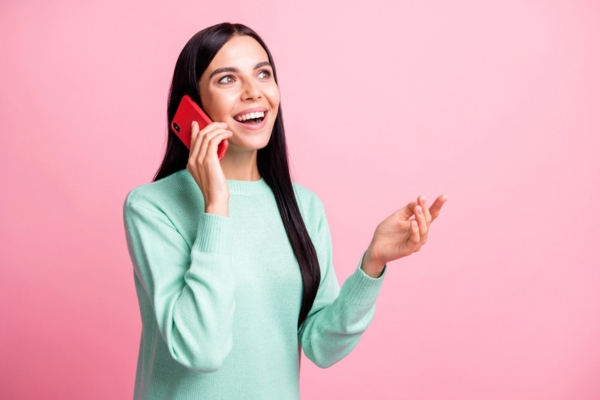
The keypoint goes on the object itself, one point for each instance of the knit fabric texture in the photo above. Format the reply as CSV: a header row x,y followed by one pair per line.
x,y
220,296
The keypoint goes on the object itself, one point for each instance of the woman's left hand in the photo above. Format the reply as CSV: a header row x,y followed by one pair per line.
x,y
399,235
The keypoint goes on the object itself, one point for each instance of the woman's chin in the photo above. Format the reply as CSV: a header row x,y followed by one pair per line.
x,y
247,145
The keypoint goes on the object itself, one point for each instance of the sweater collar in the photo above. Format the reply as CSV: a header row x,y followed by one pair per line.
x,y
248,188
244,188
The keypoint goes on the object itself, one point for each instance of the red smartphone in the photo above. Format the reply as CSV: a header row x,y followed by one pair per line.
x,y
187,112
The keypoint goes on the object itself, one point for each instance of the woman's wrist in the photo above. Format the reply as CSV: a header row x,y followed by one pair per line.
x,y
219,209
371,267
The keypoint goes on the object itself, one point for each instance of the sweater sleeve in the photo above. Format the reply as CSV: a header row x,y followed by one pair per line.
x,y
190,288
337,318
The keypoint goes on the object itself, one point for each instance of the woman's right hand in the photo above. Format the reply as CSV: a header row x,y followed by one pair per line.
x,y
204,165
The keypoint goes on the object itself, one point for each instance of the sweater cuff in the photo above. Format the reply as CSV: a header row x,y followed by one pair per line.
x,y
360,288
214,234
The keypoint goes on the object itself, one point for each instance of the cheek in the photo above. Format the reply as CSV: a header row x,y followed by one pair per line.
x,y
207,103
273,95
216,105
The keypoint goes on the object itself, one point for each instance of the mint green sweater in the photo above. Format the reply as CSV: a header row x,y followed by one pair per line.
x,y
220,296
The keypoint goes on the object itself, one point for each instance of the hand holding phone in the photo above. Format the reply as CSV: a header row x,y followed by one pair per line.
x,y
201,165
187,112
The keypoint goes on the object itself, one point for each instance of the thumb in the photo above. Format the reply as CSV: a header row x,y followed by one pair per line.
x,y
406,212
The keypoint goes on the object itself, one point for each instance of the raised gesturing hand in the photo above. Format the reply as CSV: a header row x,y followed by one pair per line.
x,y
400,235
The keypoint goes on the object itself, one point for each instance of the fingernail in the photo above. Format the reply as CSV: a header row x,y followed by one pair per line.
x,y
414,224
419,211
223,123
423,199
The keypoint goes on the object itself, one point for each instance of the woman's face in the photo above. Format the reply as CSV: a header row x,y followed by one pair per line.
x,y
238,88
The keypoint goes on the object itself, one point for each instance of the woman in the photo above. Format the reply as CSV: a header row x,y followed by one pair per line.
x,y
232,261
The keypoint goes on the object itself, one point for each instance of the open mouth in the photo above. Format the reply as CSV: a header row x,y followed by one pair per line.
x,y
253,118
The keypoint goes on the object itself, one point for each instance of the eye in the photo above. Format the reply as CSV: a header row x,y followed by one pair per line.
x,y
265,73
226,79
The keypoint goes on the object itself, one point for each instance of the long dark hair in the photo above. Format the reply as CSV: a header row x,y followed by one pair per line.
x,y
272,160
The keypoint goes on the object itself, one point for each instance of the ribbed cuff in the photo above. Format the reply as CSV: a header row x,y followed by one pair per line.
x,y
214,234
360,288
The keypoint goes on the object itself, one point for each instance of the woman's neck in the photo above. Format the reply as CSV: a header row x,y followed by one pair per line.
x,y
240,165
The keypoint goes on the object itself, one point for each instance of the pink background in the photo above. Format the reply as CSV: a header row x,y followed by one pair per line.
x,y
496,105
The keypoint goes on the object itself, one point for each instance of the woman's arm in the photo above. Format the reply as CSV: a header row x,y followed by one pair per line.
x,y
191,289
337,318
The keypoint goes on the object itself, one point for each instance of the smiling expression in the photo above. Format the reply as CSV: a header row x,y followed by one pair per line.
x,y
238,88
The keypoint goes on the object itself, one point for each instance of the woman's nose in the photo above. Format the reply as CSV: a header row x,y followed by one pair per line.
x,y
251,91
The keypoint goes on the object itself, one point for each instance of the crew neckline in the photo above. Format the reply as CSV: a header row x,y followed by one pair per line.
x,y
245,188
248,188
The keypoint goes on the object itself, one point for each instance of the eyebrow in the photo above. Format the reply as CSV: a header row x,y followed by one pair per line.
x,y
232,69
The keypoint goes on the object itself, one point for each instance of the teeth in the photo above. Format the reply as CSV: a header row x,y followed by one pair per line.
x,y
253,115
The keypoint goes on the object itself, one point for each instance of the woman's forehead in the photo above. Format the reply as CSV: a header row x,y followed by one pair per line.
x,y
242,52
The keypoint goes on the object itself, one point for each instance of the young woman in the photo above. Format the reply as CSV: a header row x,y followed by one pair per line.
x,y
232,260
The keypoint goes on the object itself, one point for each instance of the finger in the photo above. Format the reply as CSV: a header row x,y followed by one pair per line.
x,y
437,206
420,218
426,212
406,212
414,232
213,126
195,143
197,139
214,142
207,139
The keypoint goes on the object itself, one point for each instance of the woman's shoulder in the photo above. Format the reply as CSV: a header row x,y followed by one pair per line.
x,y
159,193
308,200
